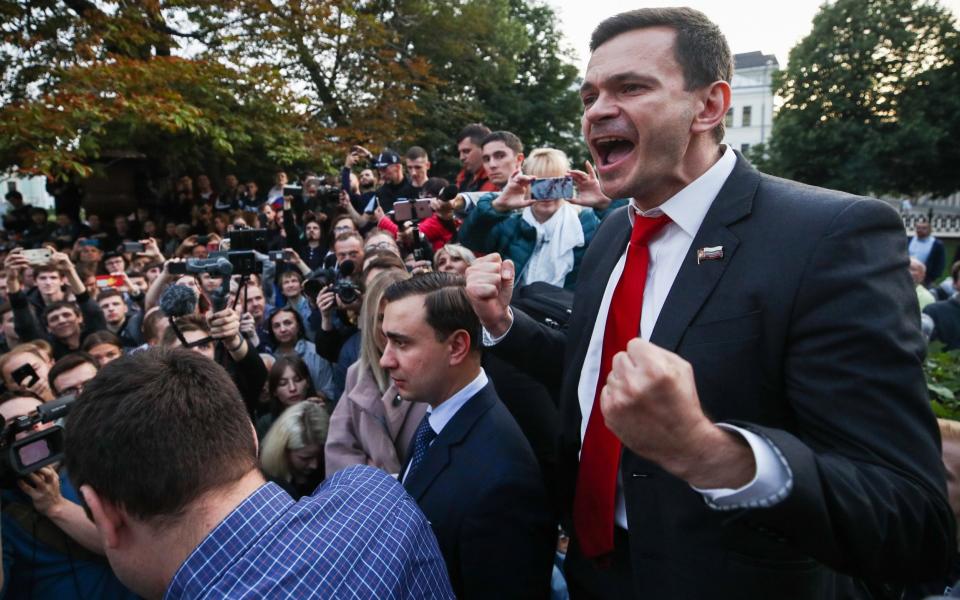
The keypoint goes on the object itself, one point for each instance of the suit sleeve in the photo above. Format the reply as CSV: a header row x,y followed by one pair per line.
x,y
533,348
507,543
867,490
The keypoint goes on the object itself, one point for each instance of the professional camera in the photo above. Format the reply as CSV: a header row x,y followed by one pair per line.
x,y
343,286
20,457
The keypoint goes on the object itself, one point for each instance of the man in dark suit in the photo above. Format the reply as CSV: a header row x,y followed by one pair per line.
x,y
471,470
743,377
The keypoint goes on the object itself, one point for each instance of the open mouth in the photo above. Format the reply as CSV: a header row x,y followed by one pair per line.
x,y
612,150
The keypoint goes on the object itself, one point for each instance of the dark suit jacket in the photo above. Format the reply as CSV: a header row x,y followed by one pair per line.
x,y
807,333
481,489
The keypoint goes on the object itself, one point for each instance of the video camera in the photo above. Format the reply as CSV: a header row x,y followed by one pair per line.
x,y
20,457
343,286
241,257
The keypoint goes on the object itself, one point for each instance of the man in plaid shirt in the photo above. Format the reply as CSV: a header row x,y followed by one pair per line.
x,y
165,457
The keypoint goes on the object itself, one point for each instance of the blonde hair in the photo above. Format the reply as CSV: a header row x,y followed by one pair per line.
x,y
546,162
370,323
455,250
299,426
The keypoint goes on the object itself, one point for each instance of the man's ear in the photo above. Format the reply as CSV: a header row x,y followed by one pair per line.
x,y
459,344
520,160
110,520
716,103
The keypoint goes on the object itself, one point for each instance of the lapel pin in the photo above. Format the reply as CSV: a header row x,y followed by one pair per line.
x,y
710,253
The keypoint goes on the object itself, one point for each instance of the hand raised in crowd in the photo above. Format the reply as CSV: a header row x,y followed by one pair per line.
x,y
224,325
490,282
15,264
326,302
151,248
61,260
589,193
514,194
248,328
356,154
344,199
43,488
650,402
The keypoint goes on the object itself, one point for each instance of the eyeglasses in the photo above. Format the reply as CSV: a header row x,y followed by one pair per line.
x,y
342,228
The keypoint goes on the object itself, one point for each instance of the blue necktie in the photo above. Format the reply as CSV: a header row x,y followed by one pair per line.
x,y
421,443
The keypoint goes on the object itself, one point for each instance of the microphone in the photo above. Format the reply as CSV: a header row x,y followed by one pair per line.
x,y
448,193
178,301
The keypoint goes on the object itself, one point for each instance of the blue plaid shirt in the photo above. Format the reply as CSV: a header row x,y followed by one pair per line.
x,y
358,536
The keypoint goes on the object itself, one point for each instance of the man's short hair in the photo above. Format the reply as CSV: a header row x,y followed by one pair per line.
x,y
475,131
109,293
701,49
170,409
445,298
955,271
346,235
150,328
13,195
68,363
53,306
48,268
509,140
416,152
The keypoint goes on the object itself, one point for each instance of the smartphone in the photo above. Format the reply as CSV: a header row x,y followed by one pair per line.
x,y
402,211
38,256
25,376
133,247
202,240
552,188
423,209
109,281
91,242
280,255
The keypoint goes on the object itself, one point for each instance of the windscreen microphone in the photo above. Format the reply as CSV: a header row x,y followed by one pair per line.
x,y
178,301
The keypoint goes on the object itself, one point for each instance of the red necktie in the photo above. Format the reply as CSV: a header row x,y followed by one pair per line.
x,y
593,504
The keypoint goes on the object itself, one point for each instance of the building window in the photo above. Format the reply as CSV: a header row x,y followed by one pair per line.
x,y
744,148
746,117
728,120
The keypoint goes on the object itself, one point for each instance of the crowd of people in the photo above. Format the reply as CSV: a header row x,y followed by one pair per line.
x,y
355,385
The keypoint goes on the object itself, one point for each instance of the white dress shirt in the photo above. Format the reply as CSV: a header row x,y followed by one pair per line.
x,y
668,250
441,415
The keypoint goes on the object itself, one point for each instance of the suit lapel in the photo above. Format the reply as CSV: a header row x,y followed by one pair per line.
x,y
695,282
438,455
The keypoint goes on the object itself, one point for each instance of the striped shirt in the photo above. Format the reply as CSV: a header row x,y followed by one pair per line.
x,y
358,536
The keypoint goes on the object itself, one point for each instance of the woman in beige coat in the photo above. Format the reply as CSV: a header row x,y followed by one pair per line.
x,y
371,425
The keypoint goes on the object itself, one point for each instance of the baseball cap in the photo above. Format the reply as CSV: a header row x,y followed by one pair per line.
x,y
385,159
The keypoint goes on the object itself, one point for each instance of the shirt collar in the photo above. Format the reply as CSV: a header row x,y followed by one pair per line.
x,y
240,529
688,207
443,413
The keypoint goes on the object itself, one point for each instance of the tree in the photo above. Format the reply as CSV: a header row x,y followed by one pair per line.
x,y
268,82
870,100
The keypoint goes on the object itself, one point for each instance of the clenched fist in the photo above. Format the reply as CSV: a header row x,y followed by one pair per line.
x,y
490,288
650,402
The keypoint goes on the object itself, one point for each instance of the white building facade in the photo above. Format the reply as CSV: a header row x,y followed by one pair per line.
x,y
751,107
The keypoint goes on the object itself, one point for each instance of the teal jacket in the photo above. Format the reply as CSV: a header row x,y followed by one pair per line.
x,y
485,230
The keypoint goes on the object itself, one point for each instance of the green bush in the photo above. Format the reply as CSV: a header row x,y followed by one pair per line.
x,y
942,369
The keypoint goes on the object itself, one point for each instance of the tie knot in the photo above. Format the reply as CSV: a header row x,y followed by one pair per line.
x,y
644,228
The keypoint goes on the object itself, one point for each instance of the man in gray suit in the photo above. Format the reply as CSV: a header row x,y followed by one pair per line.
x,y
744,413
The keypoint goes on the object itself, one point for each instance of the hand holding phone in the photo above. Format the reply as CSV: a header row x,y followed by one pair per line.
x,y
552,188
38,256
25,376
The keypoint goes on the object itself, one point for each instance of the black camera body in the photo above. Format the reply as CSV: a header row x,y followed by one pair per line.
x,y
20,457
343,285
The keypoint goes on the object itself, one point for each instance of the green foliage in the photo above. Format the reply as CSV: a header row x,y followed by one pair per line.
x,y
942,369
871,100
260,83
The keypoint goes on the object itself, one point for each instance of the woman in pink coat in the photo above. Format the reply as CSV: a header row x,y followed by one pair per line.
x,y
371,425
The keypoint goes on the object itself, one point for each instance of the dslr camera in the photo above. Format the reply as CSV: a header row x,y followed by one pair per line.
x,y
344,286
32,452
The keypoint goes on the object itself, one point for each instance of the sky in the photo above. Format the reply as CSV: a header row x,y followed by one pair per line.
x,y
764,25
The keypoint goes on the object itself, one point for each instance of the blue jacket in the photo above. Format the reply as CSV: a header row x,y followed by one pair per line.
x,y
487,230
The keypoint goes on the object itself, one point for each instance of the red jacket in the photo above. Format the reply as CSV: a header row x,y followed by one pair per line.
x,y
438,234
478,183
